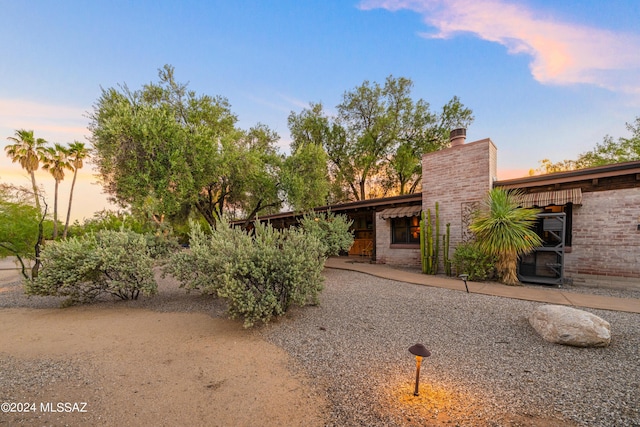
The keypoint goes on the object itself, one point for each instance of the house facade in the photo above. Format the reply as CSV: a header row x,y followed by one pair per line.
x,y
590,219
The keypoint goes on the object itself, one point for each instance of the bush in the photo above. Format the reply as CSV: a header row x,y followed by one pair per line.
x,y
332,231
469,259
160,245
260,276
108,262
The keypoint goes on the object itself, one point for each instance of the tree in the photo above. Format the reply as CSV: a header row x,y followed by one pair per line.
x,y
19,221
167,151
505,230
55,160
77,153
305,177
379,135
369,115
307,171
609,152
28,151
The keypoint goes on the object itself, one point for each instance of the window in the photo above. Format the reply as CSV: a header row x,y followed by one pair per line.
x,y
405,230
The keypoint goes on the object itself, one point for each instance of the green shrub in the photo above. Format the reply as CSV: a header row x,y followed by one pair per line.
x,y
108,262
160,245
332,231
469,259
260,276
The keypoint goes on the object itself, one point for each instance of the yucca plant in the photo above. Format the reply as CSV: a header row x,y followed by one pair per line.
x,y
505,230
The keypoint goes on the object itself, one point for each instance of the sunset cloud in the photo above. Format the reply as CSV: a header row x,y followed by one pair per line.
x,y
55,123
561,52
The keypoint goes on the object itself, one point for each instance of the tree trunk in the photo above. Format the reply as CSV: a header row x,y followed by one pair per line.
x,y
35,191
66,224
507,268
363,194
55,210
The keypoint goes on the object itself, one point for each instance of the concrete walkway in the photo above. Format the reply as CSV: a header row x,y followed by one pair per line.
x,y
540,294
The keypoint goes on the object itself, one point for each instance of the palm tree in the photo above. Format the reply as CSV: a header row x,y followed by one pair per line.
x,y
77,152
504,229
55,161
28,151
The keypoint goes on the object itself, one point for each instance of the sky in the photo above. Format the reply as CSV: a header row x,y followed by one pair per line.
x,y
545,79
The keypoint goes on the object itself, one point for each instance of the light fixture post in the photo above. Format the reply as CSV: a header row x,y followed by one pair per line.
x,y
419,351
464,278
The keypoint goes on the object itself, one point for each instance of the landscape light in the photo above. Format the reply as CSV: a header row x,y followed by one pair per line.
x,y
419,351
464,277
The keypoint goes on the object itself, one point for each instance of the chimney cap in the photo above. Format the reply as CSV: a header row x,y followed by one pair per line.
x,y
457,136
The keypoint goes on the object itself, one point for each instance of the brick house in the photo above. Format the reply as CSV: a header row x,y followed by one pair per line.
x,y
591,220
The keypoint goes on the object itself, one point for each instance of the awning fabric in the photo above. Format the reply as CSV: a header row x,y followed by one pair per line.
x,y
559,197
403,211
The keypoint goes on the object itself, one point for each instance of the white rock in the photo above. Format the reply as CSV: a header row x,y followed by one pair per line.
x,y
569,326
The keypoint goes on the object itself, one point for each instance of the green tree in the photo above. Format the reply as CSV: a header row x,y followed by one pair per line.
x,y
305,177
608,152
379,132
55,160
611,151
307,172
505,230
77,153
28,151
19,223
164,148
423,132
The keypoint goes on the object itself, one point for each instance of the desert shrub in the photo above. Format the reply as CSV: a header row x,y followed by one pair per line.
x,y
83,268
259,275
469,259
332,231
161,245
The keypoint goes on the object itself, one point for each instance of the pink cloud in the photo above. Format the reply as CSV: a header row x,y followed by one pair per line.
x,y
55,123
561,52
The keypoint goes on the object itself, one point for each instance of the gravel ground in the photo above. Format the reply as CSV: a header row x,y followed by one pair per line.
x,y
487,362
488,366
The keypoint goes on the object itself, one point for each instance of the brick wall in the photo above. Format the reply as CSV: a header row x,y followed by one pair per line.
x,y
605,238
456,178
385,254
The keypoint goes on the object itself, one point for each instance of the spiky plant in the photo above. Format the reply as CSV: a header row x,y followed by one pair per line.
x,y
505,230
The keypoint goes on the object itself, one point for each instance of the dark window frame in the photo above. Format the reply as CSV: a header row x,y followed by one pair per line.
x,y
403,230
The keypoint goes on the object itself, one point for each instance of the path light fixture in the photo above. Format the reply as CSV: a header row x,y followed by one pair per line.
x,y
464,277
419,351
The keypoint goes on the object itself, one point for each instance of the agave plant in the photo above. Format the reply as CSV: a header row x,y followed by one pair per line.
x,y
505,230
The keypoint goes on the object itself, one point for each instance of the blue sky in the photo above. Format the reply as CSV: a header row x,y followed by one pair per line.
x,y
545,79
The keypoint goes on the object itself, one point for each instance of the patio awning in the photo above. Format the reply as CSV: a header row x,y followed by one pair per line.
x,y
403,211
546,198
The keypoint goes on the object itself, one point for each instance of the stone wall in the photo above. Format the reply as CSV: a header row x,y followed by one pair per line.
x,y
457,178
605,239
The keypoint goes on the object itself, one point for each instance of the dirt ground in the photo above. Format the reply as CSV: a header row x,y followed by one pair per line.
x,y
126,366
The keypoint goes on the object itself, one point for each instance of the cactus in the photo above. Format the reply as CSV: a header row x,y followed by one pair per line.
x,y
423,257
429,244
436,249
445,256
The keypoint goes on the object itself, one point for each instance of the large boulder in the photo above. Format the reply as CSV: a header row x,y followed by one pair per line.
x,y
569,326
